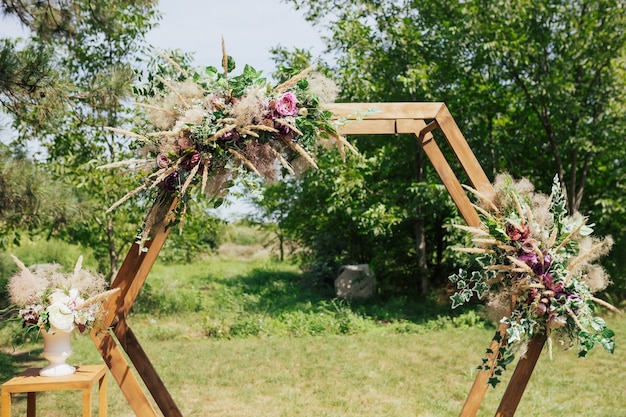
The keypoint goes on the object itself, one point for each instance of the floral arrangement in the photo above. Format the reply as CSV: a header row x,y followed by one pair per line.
x,y
536,269
206,127
50,300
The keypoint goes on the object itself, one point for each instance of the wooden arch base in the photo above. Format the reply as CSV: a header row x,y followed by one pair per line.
x,y
420,119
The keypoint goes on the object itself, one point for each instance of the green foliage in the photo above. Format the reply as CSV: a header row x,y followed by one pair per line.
x,y
31,202
325,318
242,233
364,210
196,234
536,88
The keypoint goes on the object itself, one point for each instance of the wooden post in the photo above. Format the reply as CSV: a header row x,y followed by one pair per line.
x,y
130,278
521,376
481,382
445,172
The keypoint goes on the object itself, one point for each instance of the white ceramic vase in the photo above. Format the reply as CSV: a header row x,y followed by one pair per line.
x,y
57,347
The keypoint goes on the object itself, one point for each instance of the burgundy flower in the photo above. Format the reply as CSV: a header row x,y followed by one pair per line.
x,y
192,160
233,136
517,233
284,131
30,317
548,281
170,182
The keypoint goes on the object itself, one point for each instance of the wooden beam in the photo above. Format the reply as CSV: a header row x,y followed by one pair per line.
x,y
122,373
463,151
146,370
368,127
521,376
383,111
449,179
481,382
137,264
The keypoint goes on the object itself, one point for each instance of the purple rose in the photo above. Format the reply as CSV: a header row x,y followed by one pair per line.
x,y
532,260
287,105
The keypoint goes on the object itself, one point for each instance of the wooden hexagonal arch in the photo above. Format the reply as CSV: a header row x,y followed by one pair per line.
x,y
420,119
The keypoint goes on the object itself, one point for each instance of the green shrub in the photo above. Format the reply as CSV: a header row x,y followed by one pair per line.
x,y
216,328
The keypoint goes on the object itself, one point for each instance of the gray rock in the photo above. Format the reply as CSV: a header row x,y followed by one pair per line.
x,y
355,282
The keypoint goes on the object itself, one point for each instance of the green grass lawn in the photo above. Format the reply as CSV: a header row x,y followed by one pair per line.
x,y
246,338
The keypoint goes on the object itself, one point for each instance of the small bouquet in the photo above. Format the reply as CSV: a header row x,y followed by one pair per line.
x,y
50,300
534,257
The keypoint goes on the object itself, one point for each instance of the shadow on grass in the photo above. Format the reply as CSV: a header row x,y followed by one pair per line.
x,y
17,361
276,292
276,299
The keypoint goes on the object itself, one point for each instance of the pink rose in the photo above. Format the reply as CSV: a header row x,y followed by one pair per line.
x,y
287,105
184,143
162,160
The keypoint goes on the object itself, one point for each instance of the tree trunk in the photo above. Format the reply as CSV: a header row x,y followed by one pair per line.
x,y
420,244
420,236
113,255
281,246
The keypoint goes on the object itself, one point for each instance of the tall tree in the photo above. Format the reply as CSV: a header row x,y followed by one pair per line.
x,y
31,201
536,86
67,82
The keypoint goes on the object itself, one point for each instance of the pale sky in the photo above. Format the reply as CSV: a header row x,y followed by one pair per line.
x,y
249,27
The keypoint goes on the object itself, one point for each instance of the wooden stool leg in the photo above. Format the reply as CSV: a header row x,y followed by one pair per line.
x,y
87,402
6,404
31,404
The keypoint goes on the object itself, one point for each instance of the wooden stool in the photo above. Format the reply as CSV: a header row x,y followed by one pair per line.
x,y
31,382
